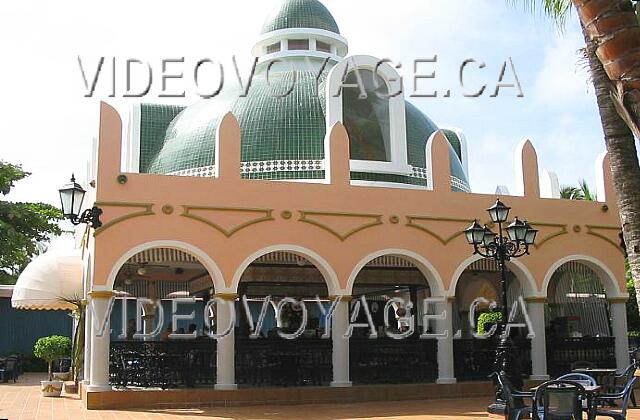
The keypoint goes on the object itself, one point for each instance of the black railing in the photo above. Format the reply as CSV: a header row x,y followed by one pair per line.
x,y
388,361
474,358
163,364
279,362
562,354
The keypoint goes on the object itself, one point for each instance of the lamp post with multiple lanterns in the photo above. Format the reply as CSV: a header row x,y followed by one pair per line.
x,y
519,236
71,197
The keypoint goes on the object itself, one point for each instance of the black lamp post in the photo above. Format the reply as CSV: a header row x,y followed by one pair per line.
x,y
520,235
71,196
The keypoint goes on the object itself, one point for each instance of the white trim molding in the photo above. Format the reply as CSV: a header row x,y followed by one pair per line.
x,y
398,164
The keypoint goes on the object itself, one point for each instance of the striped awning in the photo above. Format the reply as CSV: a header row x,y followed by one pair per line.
x,y
48,280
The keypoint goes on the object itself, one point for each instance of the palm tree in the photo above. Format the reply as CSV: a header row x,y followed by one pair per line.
x,y
570,192
581,192
618,137
613,28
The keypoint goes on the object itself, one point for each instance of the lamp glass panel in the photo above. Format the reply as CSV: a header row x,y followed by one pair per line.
x,y
530,237
78,196
66,200
521,231
478,236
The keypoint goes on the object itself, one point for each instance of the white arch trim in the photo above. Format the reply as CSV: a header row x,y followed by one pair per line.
x,y
211,267
329,275
397,118
426,268
524,276
606,276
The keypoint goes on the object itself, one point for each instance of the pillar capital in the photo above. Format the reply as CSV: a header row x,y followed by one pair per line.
x,y
621,299
536,299
343,298
101,294
227,296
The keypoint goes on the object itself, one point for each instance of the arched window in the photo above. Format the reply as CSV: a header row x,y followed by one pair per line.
x,y
366,116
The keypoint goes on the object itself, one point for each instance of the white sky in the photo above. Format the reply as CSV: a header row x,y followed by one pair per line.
x,y
47,123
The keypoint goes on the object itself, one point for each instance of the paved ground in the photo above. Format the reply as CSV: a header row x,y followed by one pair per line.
x,y
22,401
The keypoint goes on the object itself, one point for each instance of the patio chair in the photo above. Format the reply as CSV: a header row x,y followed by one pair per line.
x,y
625,396
9,371
581,378
516,410
558,400
620,381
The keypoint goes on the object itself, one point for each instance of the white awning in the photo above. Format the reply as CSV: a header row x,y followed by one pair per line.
x,y
48,279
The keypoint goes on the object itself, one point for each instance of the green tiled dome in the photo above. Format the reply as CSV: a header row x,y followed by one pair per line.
x,y
282,137
300,14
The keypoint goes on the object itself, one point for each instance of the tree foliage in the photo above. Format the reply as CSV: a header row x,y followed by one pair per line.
x,y
24,227
487,319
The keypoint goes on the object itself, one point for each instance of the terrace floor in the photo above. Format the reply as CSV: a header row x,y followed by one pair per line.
x,y
22,401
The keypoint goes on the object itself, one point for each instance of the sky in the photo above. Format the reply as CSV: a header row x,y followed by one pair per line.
x,y
47,123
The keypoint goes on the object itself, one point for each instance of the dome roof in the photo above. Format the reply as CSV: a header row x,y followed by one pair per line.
x,y
309,14
282,137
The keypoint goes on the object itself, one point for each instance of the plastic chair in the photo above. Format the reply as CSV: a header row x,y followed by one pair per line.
x,y
625,396
10,370
581,378
513,398
620,381
558,400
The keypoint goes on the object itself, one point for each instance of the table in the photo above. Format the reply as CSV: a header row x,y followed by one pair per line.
x,y
590,390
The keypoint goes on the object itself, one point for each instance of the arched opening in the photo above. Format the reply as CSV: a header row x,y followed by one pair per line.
x,y
269,359
146,351
474,357
388,283
577,320
366,116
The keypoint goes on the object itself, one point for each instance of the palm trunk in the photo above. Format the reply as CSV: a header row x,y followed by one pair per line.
x,y
613,27
623,158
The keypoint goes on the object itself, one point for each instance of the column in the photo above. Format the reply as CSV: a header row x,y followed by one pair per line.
x,y
446,371
148,320
535,309
226,349
340,353
99,370
618,310
86,369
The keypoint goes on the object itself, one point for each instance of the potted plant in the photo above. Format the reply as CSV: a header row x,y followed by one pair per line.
x,y
51,349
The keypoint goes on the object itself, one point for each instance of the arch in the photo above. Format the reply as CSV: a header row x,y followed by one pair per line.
x,y
606,276
522,273
211,267
426,268
328,273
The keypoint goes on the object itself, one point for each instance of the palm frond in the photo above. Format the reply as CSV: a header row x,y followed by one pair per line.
x,y
586,191
570,192
558,10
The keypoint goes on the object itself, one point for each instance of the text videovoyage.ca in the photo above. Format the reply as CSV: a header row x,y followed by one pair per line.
x,y
402,315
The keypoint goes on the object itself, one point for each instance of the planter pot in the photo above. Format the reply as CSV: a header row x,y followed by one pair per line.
x,y
70,388
62,376
51,388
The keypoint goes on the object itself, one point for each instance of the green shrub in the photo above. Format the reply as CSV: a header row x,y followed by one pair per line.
x,y
486,320
51,349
